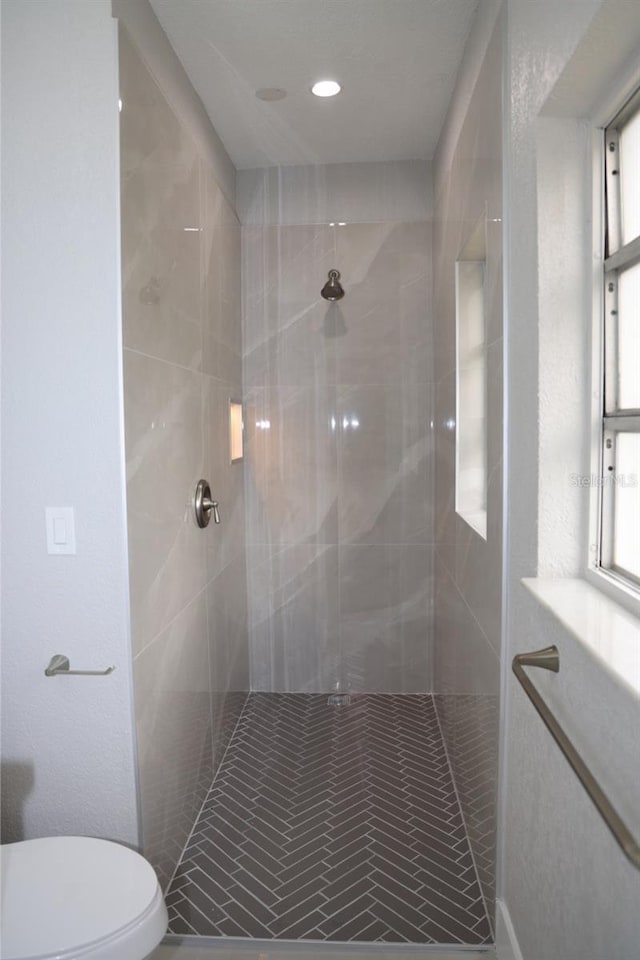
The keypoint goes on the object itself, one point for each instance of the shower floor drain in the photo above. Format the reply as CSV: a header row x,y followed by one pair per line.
x,y
339,700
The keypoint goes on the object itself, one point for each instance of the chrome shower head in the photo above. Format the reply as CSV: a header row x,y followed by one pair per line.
x,y
333,289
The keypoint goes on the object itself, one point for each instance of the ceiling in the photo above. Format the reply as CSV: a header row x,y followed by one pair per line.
x,y
396,60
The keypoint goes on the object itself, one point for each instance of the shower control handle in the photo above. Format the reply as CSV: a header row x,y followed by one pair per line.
x,y
204,506
212,506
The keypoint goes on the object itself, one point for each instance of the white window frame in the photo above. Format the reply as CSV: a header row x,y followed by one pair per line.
x,y
606,420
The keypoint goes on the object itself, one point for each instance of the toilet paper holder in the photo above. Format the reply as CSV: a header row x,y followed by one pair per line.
x,y
59,666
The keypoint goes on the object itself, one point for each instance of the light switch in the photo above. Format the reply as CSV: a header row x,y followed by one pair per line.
x,y
59,531
61,534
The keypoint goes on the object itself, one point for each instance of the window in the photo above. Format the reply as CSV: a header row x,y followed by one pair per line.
x,y
619,489
471,377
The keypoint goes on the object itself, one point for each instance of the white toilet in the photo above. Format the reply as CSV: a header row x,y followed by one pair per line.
x,y
69,897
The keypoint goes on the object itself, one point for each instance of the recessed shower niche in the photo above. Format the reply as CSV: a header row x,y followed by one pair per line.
x,y
471,382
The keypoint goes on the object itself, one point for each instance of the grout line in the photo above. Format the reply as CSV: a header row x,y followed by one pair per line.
x,y
197,371
434,737
173,619
182,610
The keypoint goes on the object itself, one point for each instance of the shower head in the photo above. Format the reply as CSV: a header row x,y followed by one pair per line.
x,y
333,289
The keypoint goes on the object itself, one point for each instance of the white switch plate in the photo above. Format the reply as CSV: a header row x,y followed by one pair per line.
x,y
61,530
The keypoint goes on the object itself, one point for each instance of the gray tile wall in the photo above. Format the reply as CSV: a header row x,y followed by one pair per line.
x,y
182,337
468,569
339,489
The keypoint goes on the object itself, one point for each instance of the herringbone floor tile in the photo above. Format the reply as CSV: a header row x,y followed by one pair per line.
x,y
331,823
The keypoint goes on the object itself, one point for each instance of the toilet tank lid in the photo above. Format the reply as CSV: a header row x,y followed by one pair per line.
x,y
60,894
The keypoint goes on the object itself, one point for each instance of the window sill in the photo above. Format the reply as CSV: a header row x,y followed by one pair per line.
x,y
609,632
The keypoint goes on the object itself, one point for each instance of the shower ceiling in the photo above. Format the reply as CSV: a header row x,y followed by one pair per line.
x,y
395,59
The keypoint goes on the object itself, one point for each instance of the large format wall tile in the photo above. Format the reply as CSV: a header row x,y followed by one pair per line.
x,y
284,270
161,222
468,672
301,353
468,598
228,650
149,129
163,404
255,474
466,663
227,606
386,274
297,449
385,594
289,331
221,264
445,464
294,618
182,333
339,436
385,464
173,717
160,251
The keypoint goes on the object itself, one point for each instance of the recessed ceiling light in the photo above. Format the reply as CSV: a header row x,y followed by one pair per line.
x,y
271,93
326,88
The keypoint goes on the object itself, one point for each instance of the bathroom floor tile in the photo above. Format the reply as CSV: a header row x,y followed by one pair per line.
x,y
332,823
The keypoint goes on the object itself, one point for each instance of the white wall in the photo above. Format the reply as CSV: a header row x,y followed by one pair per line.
x,y
67,743
144,29
564,884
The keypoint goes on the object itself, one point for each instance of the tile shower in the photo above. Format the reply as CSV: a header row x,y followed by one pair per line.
x,y
267,811
339,473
